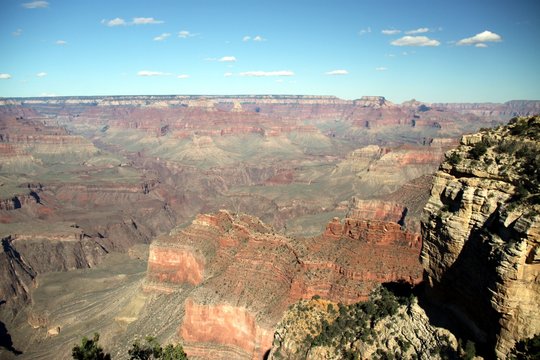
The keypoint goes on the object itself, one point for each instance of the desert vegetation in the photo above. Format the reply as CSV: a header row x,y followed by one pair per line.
x,y
89,349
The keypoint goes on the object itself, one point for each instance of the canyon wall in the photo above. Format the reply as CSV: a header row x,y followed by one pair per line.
x,y
228,115
481,235
240,276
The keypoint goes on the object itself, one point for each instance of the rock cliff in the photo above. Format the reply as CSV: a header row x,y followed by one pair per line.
x,y
239,276
481,234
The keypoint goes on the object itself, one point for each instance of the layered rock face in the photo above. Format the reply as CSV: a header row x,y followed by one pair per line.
x,y
17,276
233,329
382,170
222,115
481,236
20,137
241,276
64,204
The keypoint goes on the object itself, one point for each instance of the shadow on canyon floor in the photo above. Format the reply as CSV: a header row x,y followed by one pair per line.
x,y
5,340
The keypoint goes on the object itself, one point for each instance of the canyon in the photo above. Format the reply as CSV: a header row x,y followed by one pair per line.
x,y
334,190
480,259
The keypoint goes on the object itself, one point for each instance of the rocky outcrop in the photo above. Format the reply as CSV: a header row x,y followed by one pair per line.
x,y
481,234
17,277
320,329
372,101
377,210
239,276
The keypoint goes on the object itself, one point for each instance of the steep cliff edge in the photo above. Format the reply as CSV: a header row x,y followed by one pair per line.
x,y
237,276
481,234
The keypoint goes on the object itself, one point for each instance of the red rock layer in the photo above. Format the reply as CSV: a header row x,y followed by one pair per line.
x,y
175,266
242,276
376,210
233,327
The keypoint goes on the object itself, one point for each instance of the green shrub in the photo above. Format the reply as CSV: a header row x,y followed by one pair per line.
x,y
479,149
454,158
470,350
89,350
507,147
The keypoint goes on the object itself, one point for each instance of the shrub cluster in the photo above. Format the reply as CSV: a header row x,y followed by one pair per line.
x,y
91,350
479,149
356,322
454,158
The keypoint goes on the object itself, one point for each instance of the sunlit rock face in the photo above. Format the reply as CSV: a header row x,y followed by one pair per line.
x,y
481,234
240,276
234,329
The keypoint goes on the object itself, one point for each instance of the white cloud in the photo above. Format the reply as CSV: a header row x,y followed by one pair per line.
x,y
481,45
41,74
162,37
415,41
267,73
417,31
60,42
228,74
136,21
146,21
5,76
337,72
364,31
17,32
381,68
390,31
183,76
151,73
483,37
185,34
257,38
227,59
46,94
114,22
36,5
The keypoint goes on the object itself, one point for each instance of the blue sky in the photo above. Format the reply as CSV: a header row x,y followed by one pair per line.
x,y
432,50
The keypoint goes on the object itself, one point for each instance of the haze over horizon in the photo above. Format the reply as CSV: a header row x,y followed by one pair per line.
x,y
434,51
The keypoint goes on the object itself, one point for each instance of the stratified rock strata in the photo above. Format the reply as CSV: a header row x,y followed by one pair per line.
x,y
481,234
241,276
